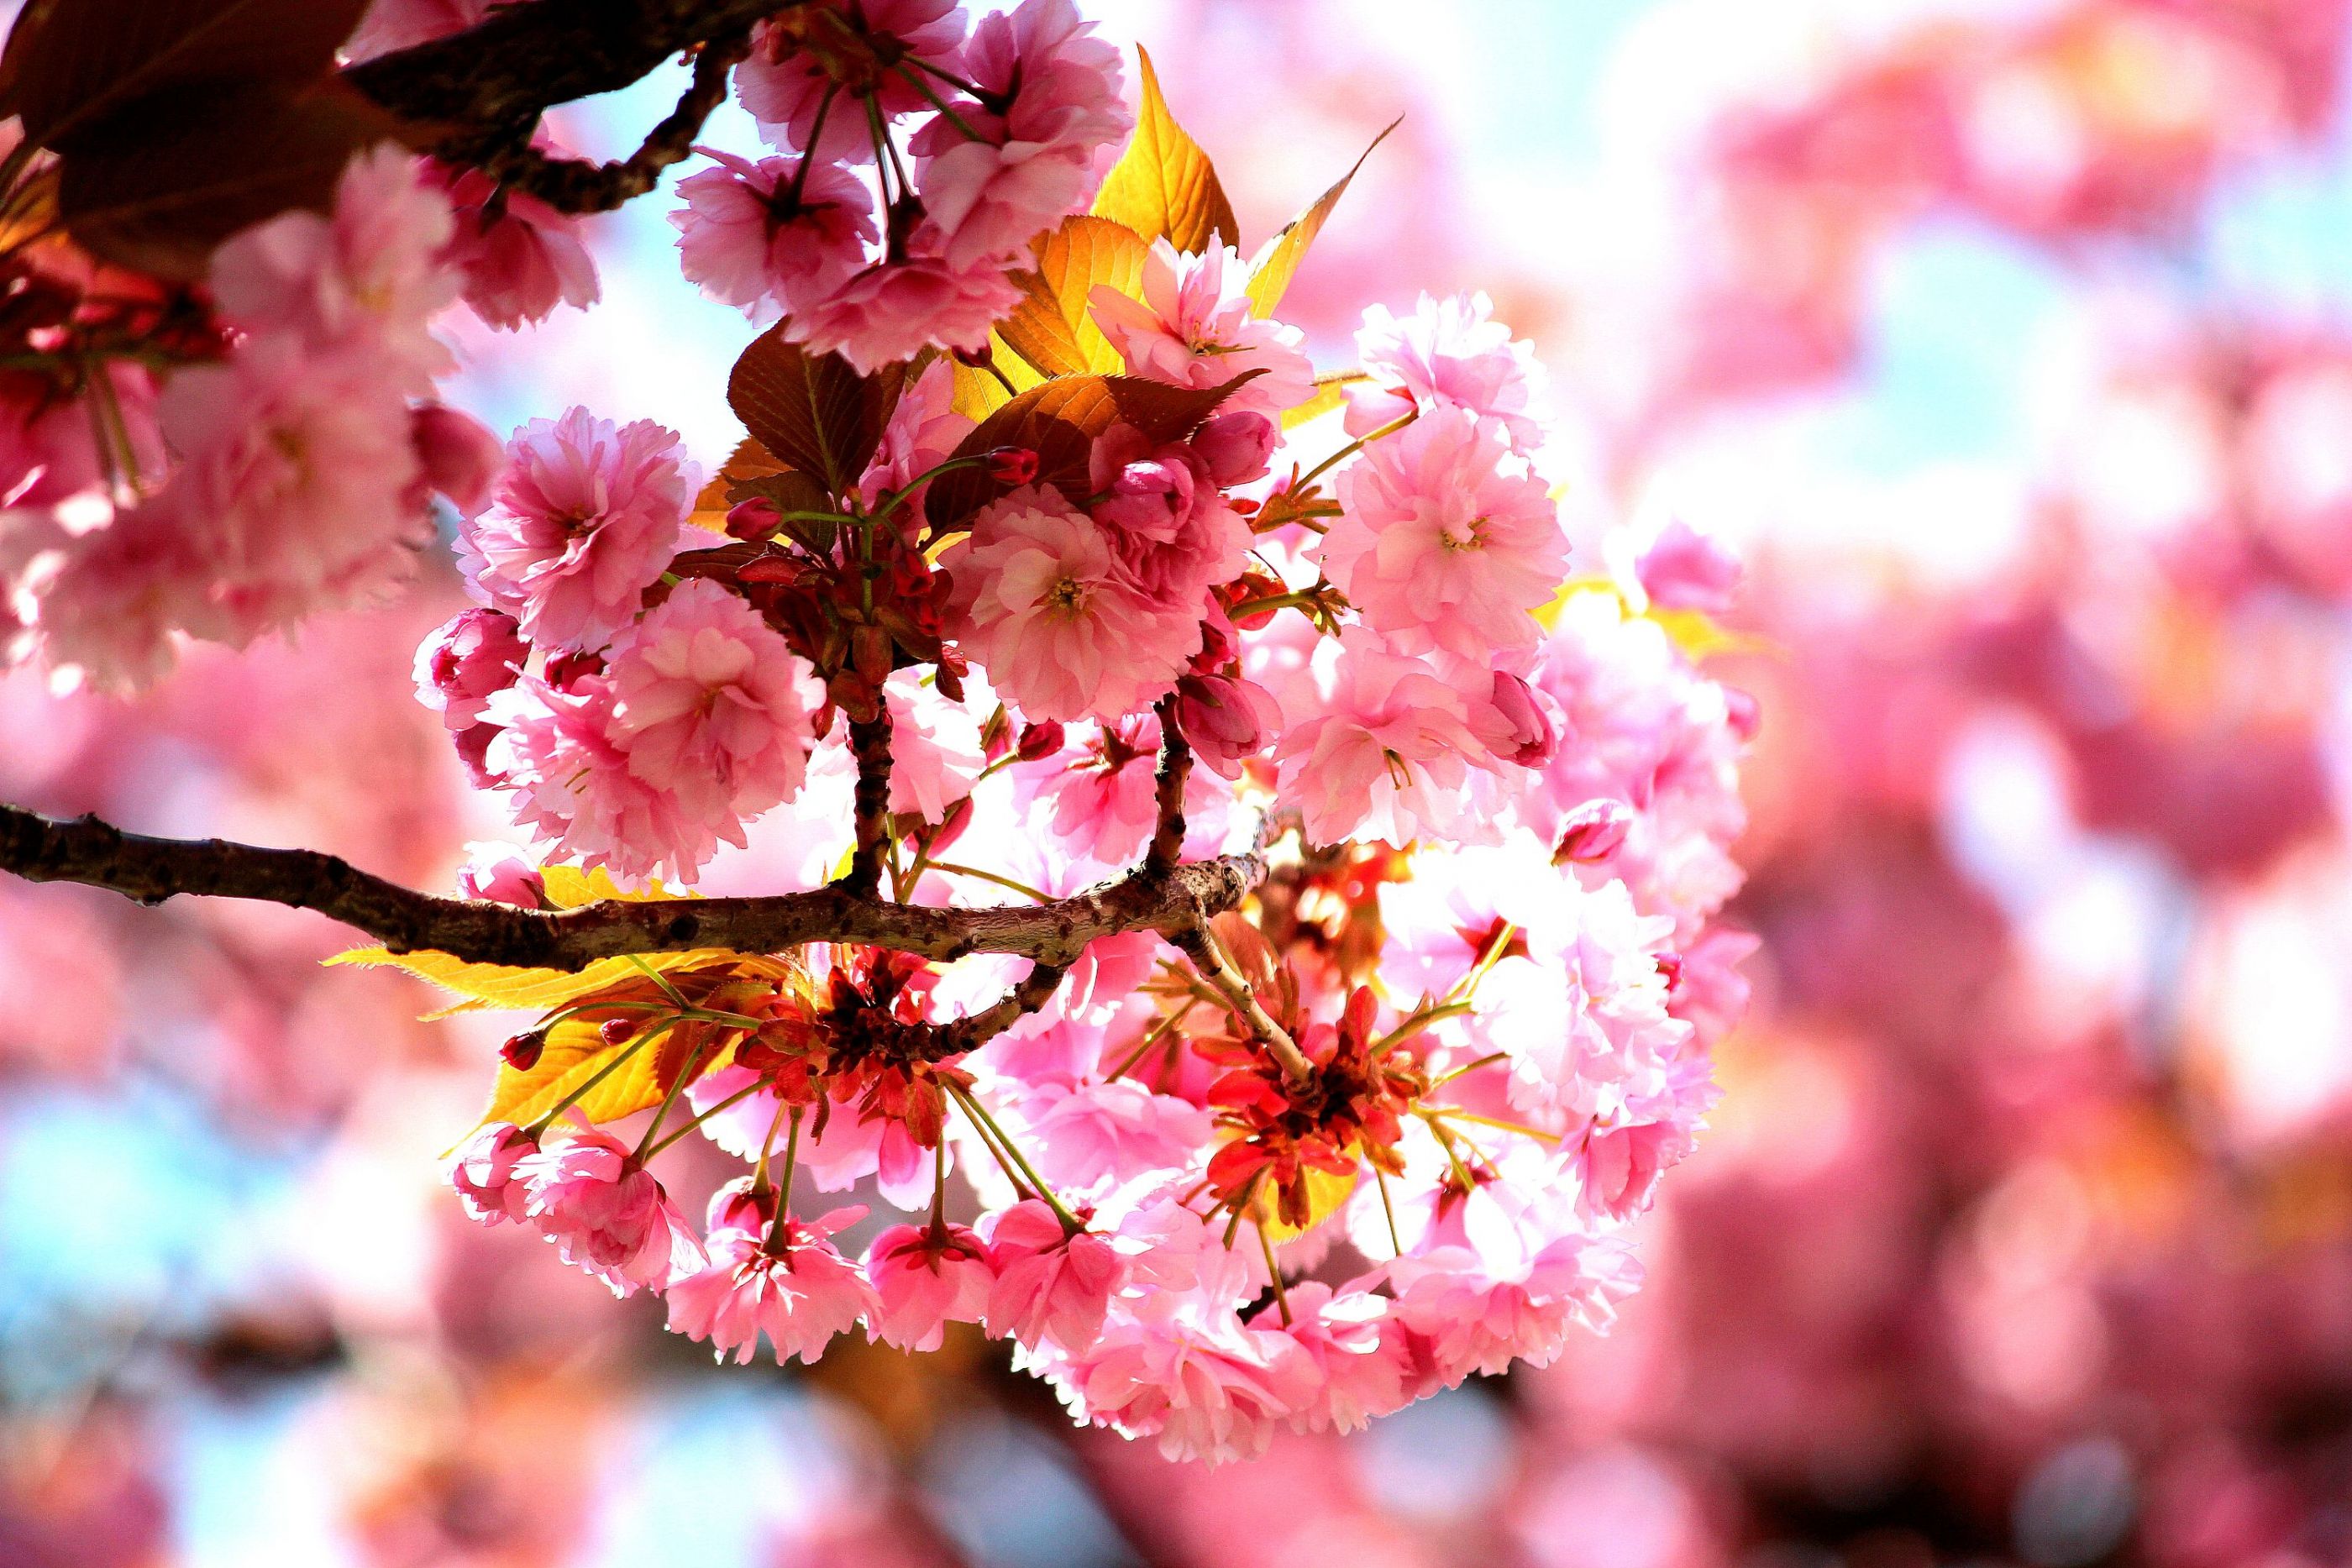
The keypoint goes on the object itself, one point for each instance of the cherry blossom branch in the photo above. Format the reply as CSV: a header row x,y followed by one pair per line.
x,y
1200,944
869,743
581,185
1175,768
150,870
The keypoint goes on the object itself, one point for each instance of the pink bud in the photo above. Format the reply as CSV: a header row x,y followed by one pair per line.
x,y
1226,719
1236,447
1593,832
1013,465
1685,569
496,873
1529,733
467,657
959,817
753,519
473,754
1670,965
1744,717
564,669
460,457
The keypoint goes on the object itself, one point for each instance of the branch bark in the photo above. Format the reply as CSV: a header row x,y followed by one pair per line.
x,y
150,870
577,186
869,743
481,91
1175,769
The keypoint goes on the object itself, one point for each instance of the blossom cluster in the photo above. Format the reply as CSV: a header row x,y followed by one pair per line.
x,y
1485,965
871,254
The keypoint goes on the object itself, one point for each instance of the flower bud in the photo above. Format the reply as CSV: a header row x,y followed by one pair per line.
x,y
1040,740
1593,832
498,873
1226,719
996,734
1744,717
473,754
521,1051
1013,465
460,458
1236,447
616,1031
564,669
753,519
1531,736
472,655
959,817
1670,965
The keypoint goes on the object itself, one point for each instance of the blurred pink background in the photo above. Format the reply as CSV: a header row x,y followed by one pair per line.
x,y
2009,340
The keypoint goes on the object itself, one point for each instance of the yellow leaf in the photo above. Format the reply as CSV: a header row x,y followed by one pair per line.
x,y
1163,185
979,394
1270,278
1325,1194
1329,395
1053,328
505,986
576,1052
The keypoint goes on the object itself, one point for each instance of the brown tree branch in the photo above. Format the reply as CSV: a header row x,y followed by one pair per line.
x,y
869,743
151,870
578,185
1175,768
477,92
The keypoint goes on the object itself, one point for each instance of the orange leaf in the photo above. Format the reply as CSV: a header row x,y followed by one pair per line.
x,y
813,413
1053,330
1163,185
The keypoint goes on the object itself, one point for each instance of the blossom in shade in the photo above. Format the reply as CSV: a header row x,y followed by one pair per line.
x,y
1449,353
1226,719
935,748
749,239
1195,326
1051,1286
1446,539
607,1213
894,309
785,87
372,268
1042,603
711,707
484,1173
391,25
924,1277
520,257
463,661
585,520
800,1292
1381,756
460,456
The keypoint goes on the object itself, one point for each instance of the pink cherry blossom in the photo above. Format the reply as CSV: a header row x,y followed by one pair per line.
x,y
1478,1316
373,269
469,657
1204,1385
1042,603
1446,540
1169,523
484,1173
711,707
752,234
1052,1287
1094,1137
1448,353
569,783
935,747
1359,1356
894,309
1685,569
782,87
520,257
800,1293
460,456
923,432
924,1277
501,873
1380,755
607,1213
585,519
1226,720
1195,326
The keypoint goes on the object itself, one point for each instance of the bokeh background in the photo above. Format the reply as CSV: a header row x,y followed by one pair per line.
x,y
2011,341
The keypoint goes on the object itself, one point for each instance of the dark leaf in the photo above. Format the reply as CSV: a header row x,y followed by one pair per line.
x,y
1059,421
73,65
814,414
203,162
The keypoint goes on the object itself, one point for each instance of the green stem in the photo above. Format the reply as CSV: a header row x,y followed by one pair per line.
x,y
973,1109
958,120
743,1094
784,1189
540,1128
1390,428
816,136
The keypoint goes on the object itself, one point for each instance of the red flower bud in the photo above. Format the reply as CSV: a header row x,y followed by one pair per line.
x,y
616,1031
521,1052
1039,741
959,817
996,735
753,519
1011,464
